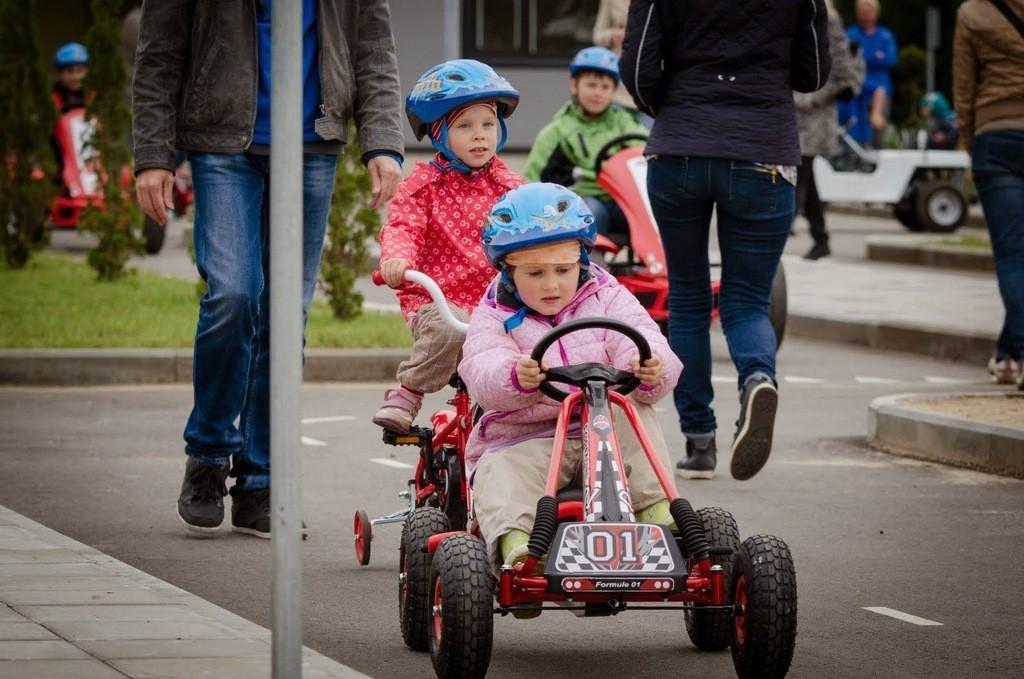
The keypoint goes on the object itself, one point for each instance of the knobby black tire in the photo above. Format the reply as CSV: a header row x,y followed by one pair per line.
x,y
770,615
711,630
463,569
414,598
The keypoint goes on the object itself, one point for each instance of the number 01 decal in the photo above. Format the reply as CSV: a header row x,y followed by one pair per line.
x,y
601,546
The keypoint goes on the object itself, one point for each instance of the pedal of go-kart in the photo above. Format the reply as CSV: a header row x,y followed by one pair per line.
x,y
417,436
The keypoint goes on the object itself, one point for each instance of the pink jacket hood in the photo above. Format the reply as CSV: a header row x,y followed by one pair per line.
x,y
490,354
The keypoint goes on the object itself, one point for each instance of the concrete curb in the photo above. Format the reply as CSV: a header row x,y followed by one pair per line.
x,y
911,250
947,439
85,367
935,342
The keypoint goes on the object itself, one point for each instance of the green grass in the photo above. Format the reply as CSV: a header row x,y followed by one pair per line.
x,y
56,302
972,242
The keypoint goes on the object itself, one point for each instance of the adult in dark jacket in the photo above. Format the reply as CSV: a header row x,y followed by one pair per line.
x,y
202,84
719,79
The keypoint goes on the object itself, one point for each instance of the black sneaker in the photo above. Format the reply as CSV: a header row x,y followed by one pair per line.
x,y
817,251
250,513
759,399
700,460
201,503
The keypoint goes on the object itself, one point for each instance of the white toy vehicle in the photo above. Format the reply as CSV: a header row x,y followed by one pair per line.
x,y
926,188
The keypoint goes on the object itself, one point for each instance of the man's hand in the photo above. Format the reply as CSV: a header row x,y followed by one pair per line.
x,y
529,373
650,374
385,174
153,188
393,271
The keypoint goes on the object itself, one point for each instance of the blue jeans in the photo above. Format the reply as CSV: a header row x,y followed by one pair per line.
x,y
997,161
755,209
231,359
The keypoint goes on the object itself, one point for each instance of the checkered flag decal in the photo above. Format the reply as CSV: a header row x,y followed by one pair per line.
x,y
653,555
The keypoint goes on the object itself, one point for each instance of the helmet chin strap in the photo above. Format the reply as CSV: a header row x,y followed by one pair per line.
x,y
454,162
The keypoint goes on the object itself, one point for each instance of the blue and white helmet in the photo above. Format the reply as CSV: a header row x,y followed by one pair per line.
x,y
599,59
452,84
535,214
71,54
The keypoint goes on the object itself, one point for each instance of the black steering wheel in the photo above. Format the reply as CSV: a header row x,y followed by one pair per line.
x,y
606,150
578,375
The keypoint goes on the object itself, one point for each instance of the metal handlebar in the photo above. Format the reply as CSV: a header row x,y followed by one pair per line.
x,y
428,284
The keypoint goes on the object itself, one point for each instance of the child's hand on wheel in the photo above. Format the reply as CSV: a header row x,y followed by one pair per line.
x,y
650,373
529,373
393,270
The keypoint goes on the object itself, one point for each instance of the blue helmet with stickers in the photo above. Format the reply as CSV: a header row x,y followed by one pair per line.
x,y
71,54
535,214
450,85
598,59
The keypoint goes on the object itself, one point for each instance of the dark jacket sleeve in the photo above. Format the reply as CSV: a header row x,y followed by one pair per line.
x,y
378,96
811,61
642,61
164,34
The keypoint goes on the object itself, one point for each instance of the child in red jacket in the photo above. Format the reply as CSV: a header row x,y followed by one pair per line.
x,y
435,221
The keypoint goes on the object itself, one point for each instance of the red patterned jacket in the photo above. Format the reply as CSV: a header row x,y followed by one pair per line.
x,y
435,222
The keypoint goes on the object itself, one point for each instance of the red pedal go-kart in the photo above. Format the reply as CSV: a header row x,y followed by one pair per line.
x,y
640,267
81,181
438,482
599,560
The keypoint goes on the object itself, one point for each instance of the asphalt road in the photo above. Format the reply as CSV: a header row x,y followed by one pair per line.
x,y
103,465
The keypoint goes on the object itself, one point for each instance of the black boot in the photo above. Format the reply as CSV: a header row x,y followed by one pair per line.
x,y
700,457
759,400
250,513
201,503
817,251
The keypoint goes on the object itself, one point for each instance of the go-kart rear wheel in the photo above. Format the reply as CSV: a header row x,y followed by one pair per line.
x,y
462,629
414,574
764,587
940,206
153,234
709,630
362,531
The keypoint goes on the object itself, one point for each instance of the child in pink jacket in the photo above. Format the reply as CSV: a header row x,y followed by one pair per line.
x,y
538,237
434,222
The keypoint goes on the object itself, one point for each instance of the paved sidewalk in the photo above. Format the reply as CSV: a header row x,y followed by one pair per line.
x,y
67,610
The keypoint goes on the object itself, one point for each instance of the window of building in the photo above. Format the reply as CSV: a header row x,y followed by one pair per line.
x,y
526,32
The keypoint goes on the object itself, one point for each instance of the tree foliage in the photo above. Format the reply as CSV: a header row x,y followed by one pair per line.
x,y
116,225
350,225
27,116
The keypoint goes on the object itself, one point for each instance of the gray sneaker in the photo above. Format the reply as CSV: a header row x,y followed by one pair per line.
x,y
759,400
700,459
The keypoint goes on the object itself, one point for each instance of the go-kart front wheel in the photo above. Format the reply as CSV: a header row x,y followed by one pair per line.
x,y
462,618
414,574
764,590
709,630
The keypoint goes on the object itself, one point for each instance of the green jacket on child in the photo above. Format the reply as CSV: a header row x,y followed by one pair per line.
x,y
572,140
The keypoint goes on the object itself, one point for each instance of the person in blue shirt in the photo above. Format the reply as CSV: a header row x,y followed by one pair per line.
x,y
878,45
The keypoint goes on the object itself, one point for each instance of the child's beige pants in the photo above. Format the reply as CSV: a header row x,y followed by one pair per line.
x,y
436,350
507,483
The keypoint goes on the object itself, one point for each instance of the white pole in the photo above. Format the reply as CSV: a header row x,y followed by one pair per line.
x,y
452,24
286,336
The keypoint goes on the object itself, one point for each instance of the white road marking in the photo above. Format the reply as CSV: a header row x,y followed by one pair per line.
x,y
931,379
391,463
307,441
875,380
333,418
795,379
900,615
723,379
